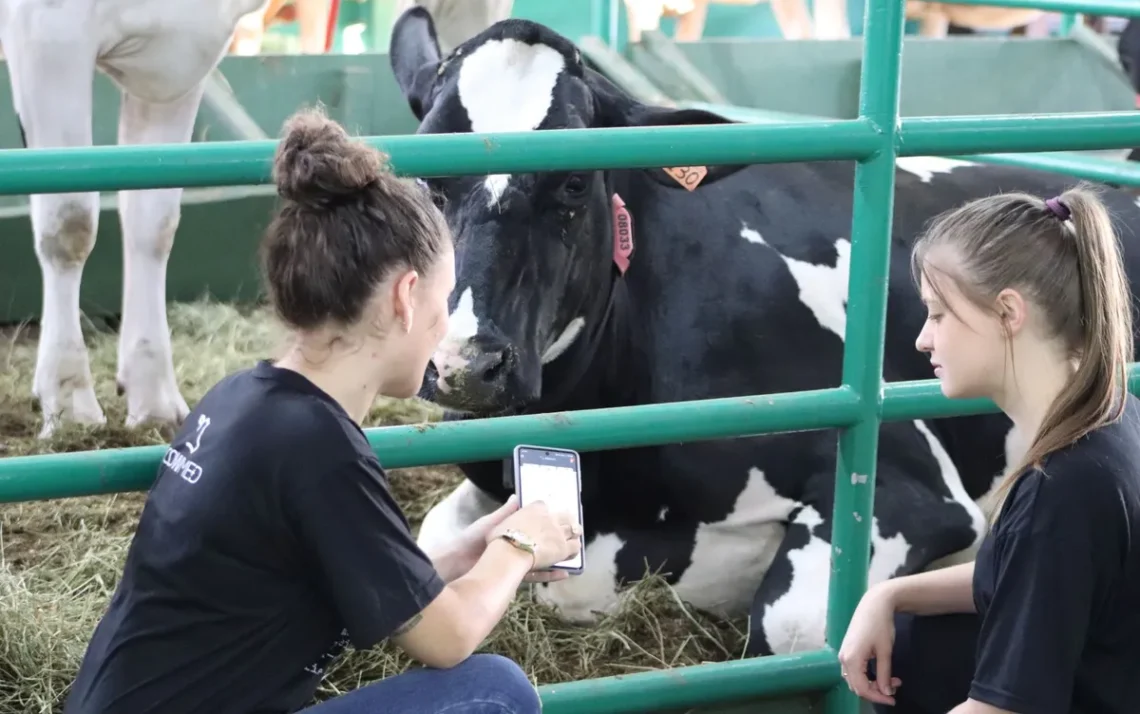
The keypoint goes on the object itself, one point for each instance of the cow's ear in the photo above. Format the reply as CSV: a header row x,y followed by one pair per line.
x,y
414,53
615,108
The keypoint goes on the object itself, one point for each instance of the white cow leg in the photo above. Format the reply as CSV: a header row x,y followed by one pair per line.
x,y
448,518
831,20
51,87
149,221
582,599
793,19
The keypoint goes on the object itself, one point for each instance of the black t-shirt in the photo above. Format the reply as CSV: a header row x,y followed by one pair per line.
x,y
269,541
1057,583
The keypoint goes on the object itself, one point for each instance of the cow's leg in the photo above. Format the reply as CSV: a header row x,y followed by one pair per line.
x,y
793,19
149,221
831,21
912,527
714,565
50,73
448,518
613,560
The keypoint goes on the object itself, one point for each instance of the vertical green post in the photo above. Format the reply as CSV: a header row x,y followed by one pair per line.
x,y
873,205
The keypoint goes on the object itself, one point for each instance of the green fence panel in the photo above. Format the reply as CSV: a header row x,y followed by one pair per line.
x,y
875,138
872,210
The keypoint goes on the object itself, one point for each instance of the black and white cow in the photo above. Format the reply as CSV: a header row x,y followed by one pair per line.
x,y
735,288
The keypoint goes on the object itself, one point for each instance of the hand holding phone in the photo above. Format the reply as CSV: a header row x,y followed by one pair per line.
x,y
553,477
555,537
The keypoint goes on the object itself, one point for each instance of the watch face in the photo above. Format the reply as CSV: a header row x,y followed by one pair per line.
x,y
520,538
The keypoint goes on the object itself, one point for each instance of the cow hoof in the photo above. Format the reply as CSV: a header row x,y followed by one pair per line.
x,y
166,412
85,411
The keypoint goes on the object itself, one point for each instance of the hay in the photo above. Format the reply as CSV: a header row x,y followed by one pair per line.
x,y
60,560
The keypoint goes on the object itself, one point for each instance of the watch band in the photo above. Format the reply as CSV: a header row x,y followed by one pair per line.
x,y
519,540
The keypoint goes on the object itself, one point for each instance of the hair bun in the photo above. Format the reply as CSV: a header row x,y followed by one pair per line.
x,y
317,164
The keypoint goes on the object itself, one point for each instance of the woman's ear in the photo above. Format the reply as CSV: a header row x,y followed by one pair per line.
x,y
403,303
1011,307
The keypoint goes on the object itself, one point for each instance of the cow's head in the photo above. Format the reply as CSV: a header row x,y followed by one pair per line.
x,y
535,253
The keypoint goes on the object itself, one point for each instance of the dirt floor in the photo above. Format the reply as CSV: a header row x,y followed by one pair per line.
x,y
60,560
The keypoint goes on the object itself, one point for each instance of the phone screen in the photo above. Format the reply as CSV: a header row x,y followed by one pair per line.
x,y
551,476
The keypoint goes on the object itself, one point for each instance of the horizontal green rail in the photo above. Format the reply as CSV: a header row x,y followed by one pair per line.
x,y
923,400
1018,133
239,163
1123,8
1082,166
698,685
106,471
84,473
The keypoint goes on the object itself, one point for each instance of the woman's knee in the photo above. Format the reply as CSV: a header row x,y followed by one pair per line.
x,y
502,679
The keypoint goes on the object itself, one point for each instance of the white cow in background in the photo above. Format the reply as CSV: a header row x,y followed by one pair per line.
x,y
159,53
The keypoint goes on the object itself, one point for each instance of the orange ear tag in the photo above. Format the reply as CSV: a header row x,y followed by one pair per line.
x,y
688,176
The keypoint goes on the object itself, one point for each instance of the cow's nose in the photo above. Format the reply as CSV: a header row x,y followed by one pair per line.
x,y
493,365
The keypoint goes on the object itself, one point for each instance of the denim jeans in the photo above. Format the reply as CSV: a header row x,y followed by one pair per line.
x,y
481,684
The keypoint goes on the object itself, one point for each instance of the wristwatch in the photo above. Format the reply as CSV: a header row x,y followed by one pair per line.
x,y
520,540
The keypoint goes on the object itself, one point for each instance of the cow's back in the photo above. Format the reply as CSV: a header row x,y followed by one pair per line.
x,y
745,284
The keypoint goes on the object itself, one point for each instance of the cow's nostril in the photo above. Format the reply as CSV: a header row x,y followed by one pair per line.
x,y
497,365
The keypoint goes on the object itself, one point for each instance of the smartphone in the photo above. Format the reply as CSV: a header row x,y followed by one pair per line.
x,y
553,476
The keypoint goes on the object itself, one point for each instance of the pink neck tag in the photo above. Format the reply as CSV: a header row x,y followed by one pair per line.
x,y
623,234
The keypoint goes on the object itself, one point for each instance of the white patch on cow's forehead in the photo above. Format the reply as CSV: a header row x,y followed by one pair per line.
x,y
823,288
507,85
925,167
462,326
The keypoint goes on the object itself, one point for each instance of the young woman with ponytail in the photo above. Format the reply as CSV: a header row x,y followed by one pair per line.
x,y
1028,305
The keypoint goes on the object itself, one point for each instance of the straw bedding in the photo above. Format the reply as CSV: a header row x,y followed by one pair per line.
x,y
60,560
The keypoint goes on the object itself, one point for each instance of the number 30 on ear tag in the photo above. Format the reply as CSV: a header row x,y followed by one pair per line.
x,y
688,176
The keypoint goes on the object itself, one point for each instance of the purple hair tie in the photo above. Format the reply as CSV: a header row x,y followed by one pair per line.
x,y
1058,208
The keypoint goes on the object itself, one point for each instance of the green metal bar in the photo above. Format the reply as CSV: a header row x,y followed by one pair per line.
x,y
698,685
923,399
84,473
1093,168
1070,163
872,209
1018,133
242,163
1122,8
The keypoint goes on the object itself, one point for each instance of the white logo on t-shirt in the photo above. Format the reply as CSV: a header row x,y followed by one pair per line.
x,y
181,464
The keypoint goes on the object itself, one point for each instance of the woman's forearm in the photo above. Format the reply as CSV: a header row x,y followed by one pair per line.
x,y
937,592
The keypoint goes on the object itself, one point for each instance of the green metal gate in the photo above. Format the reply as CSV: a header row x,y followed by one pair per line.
x,y
874,139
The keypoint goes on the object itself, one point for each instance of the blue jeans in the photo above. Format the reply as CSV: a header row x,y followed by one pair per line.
x,y
481,684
